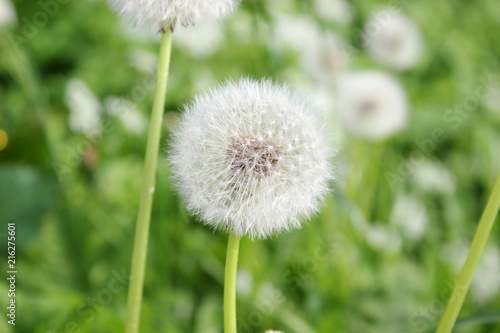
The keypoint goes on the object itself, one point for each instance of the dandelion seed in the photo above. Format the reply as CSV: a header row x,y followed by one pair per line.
x,y
251,158
371,104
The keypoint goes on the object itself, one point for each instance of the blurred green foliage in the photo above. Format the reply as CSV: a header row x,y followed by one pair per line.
x,y
74,198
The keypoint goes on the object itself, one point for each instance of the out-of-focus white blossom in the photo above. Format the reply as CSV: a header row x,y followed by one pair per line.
x,y
410,216
164,13
393,39
433,176
85,108
371,104
251,158
492,100
132,120
293,32
326,57
8,16
200,41
143,60
322,54
339,11
244,282
381,238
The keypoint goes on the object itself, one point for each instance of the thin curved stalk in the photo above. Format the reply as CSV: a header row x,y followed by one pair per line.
x,y
147,190
465,277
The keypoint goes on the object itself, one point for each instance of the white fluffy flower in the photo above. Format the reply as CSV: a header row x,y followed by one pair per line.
x,y
8,17
251,158
410,216
393,39
371,104
85,108
163,13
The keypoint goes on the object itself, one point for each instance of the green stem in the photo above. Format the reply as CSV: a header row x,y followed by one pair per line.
x,y
150,164
233,246
464,279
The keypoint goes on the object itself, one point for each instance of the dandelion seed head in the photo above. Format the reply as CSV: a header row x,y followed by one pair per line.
x,y
164,13
251,158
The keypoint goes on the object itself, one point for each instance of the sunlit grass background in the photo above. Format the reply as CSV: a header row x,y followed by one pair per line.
x,y
356,267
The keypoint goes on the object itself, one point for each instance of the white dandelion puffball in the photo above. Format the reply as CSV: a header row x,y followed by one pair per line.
x,y
393,39
251,158
165,13
371,104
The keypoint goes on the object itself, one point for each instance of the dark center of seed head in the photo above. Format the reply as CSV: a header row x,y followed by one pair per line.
x,y
367,108
253,157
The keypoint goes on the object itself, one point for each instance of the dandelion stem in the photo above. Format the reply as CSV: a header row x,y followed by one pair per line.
x,y
146,199
464,279
233,246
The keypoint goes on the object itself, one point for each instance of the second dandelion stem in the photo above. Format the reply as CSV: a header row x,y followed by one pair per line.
x,y
148,185
464,279
233,246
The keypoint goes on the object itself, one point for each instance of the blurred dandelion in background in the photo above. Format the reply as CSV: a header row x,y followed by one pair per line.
x,y
371,104
393,39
